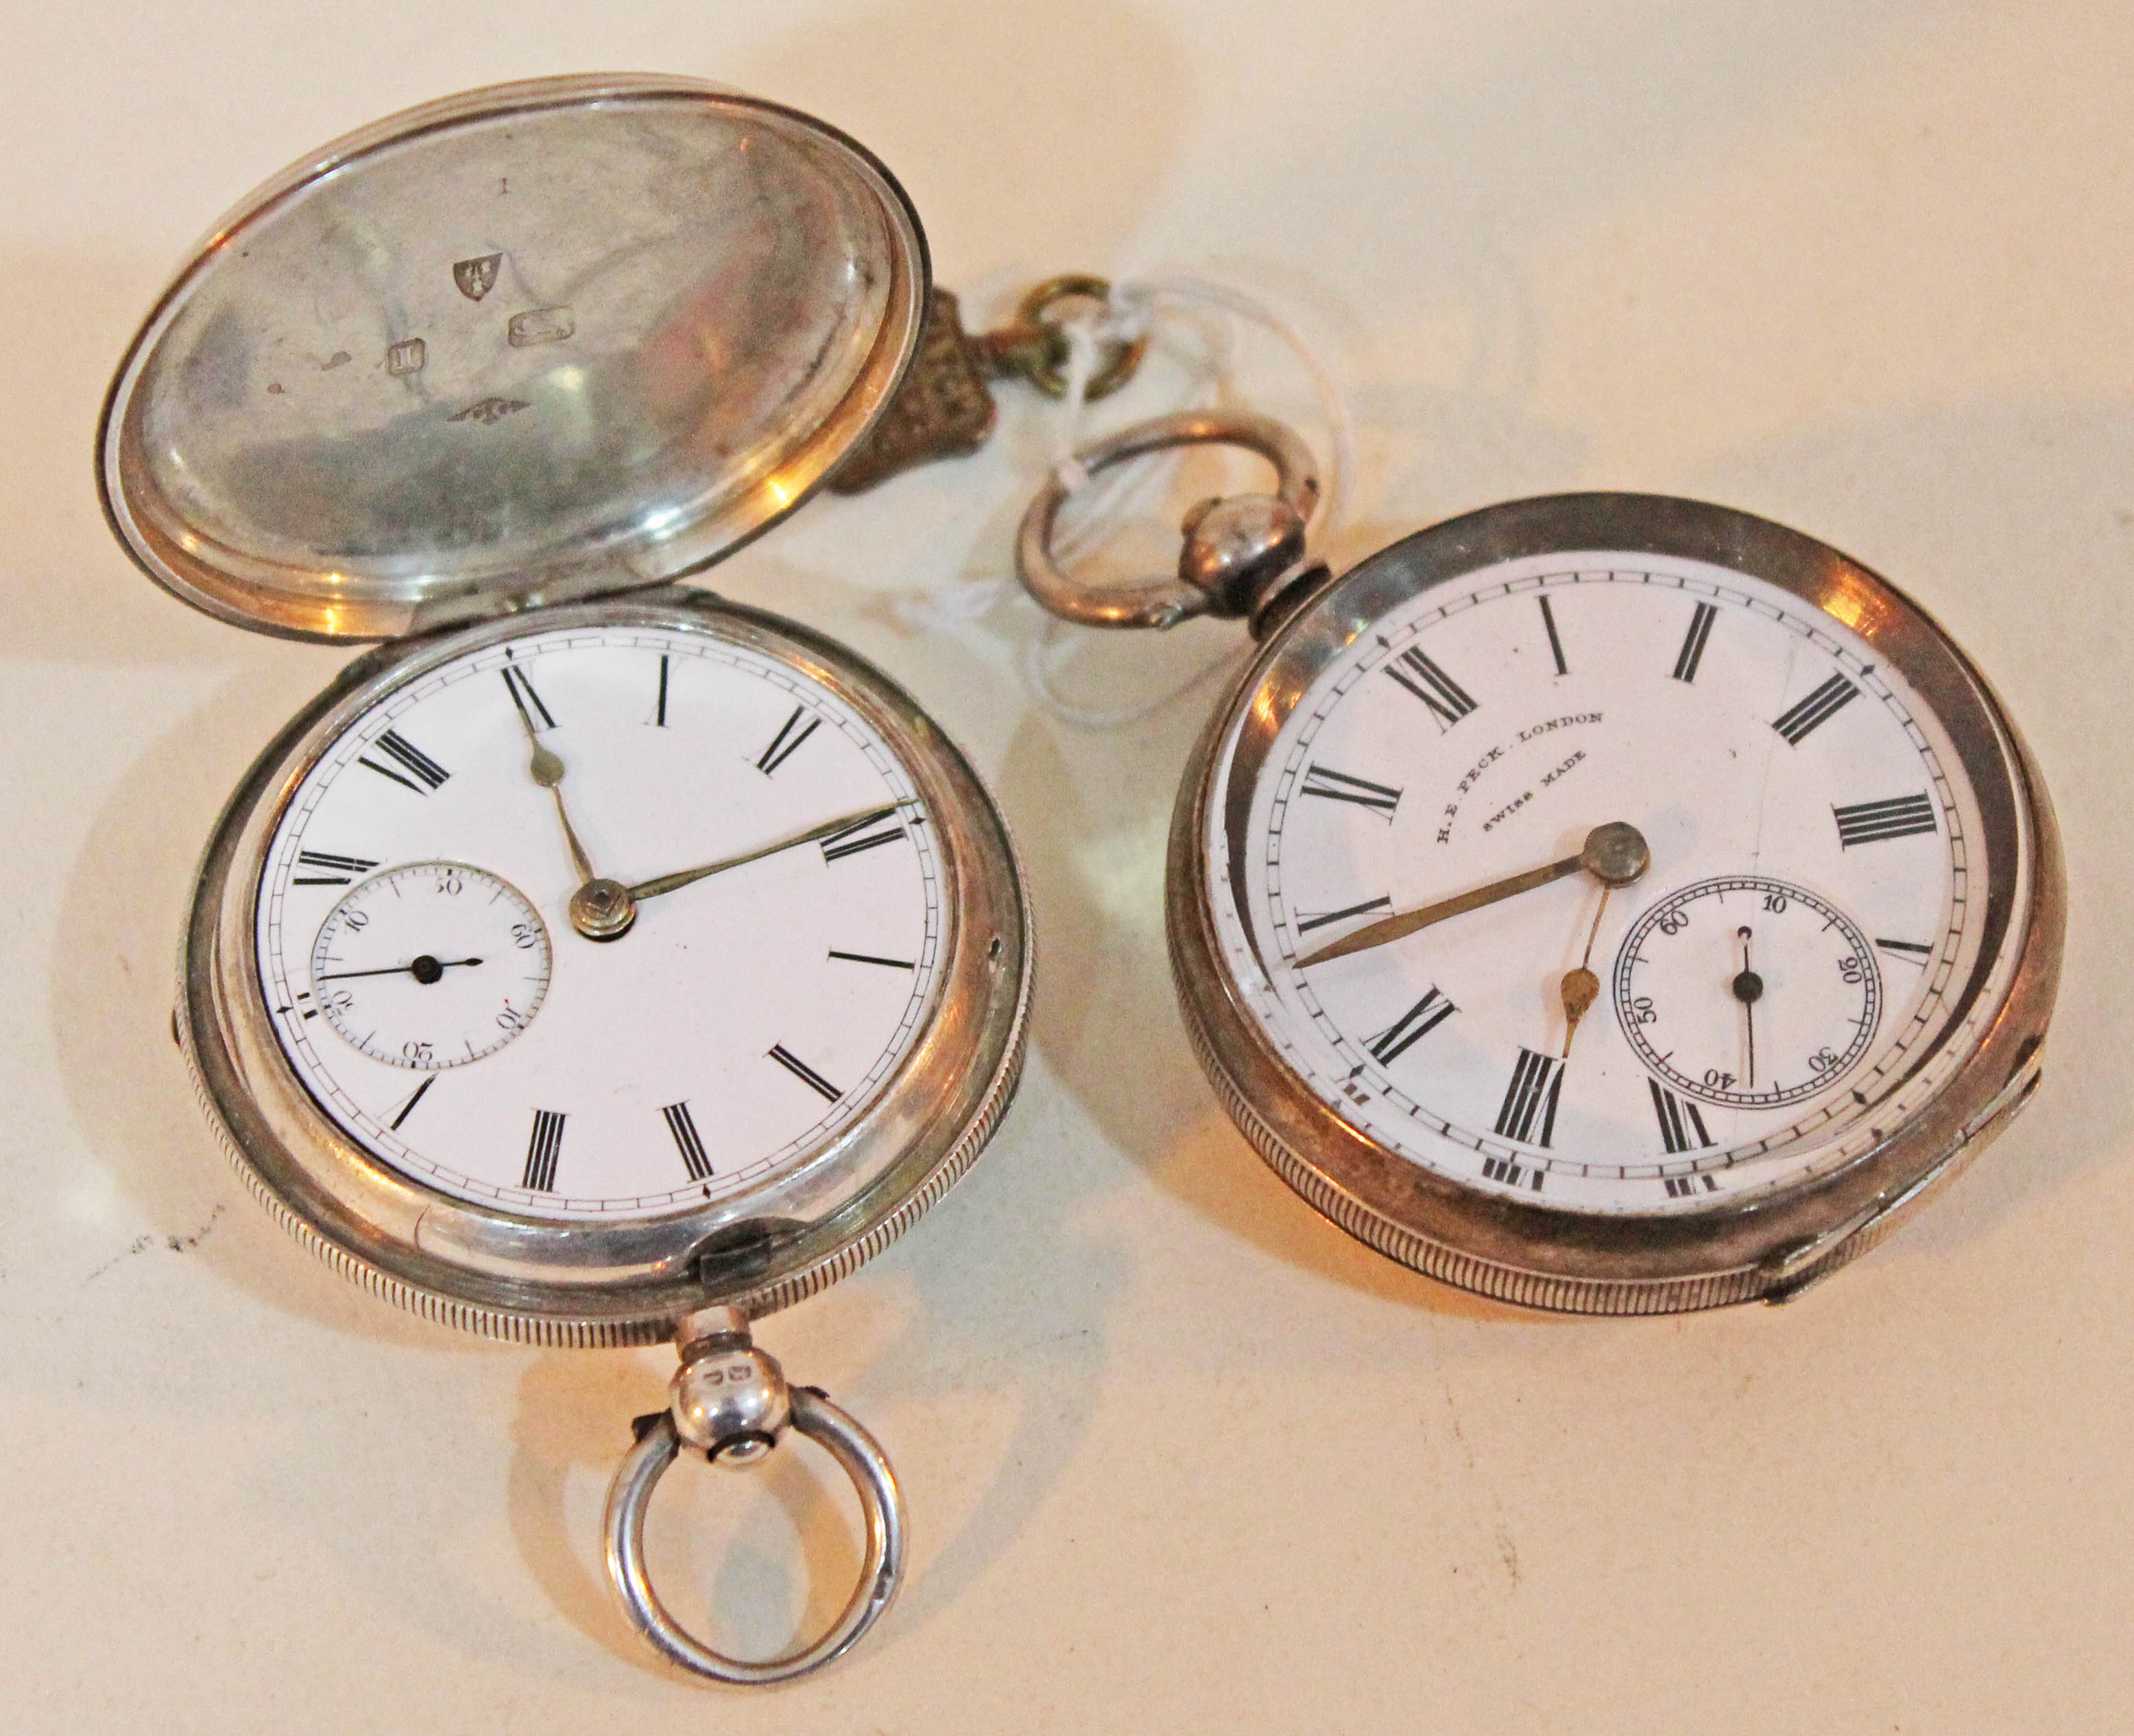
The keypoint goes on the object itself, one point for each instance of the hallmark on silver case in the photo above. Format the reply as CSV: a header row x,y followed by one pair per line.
x,y
541,325
476,278
489,411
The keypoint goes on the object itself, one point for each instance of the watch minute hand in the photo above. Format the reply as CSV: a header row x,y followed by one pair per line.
x,y
1614,854
688,876
1407,922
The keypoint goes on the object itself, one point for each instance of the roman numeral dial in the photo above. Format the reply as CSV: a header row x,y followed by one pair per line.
x,y
804,1072
520,687
800,870
1305,922
1555,639
1399,868
1414,1024
1681,1123
682,1127
792,735
1692,654
866,835
408,1108
543,1151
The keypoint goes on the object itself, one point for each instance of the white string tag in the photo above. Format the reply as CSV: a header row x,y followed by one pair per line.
x,y
1171,306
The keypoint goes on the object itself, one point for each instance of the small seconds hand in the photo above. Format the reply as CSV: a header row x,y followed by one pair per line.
x,y
416,968
1747,989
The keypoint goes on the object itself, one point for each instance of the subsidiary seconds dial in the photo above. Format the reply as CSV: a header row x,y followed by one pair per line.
x,y
1748,992
431,964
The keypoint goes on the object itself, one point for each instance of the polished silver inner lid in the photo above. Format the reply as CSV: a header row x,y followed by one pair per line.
x,y
536,342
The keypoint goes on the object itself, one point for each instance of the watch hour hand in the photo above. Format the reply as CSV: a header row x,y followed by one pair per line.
x,y
1614,854
548,771
1580,988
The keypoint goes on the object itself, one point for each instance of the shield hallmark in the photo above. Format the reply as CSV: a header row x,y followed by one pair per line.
x,y
476,278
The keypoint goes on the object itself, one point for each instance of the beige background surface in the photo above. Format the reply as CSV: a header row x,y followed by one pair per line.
x,y
1179,1456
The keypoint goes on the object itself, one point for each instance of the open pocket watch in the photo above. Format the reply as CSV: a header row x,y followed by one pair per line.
x,y
594,961
1602,902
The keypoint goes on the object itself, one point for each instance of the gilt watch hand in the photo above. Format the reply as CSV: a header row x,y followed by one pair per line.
x,y
1581,987
1614,854
829,828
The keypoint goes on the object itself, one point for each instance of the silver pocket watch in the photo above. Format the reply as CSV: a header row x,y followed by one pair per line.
x,y
595,961
1603,903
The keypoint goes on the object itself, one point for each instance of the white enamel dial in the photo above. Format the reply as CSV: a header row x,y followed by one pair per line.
x,y
1810,890
745,1018
430,965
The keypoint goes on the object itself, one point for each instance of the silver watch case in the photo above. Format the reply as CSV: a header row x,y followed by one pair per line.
x,y
1768,1247
508,1275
